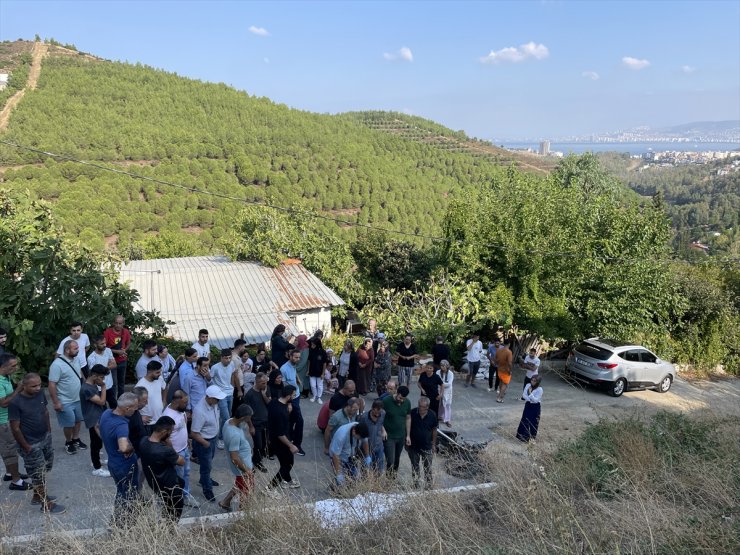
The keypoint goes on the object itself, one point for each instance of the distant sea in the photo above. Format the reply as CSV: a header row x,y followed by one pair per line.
x,y
631,148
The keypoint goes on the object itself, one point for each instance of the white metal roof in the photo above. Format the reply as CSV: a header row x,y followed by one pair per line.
x,y
227,298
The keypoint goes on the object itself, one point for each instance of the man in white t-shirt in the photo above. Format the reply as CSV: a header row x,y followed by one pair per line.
x,y
223,375
154,384
474,350
203,346
83,342
104,356
531,363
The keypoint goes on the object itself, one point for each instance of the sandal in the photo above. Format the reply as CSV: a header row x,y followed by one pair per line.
x,y
499,400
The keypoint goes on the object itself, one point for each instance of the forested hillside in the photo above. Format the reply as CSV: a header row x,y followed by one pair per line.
x,y
212,137
702,200
564,252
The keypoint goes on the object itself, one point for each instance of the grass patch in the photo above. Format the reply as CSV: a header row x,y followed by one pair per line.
x,y
667,484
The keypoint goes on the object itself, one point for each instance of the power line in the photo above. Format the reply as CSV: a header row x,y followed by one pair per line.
x,y
295,211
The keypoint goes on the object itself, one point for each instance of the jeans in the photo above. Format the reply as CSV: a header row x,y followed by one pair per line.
x,y
119,378
184,471
127,492
425,457
205,458
296,423
393,449
492,374
378,455
224,409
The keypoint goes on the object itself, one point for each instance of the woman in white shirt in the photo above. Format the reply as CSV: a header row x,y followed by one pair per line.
x,y
531,416
445,406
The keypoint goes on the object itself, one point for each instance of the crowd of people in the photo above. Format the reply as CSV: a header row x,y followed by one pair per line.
x,y
183,410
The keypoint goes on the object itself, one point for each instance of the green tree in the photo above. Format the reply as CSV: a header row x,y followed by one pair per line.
x,y
49,281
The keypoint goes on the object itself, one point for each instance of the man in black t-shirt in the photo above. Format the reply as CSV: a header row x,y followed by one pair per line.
x,y
258,398
279,430
422,443
440,352
29,421
159,459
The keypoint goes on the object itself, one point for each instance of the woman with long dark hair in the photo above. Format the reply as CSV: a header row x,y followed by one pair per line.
x,y
280,346
316,365
531,416
365,362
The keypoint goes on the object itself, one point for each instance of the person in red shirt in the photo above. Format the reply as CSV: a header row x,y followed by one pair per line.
x,y
118,339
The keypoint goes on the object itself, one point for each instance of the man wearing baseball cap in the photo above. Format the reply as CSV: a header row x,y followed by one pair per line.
x,y
204,432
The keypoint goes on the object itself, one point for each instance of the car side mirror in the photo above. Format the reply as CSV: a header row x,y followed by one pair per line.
x,y
657,360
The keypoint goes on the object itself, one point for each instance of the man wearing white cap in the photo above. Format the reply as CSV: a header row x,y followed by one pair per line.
x,y
203,432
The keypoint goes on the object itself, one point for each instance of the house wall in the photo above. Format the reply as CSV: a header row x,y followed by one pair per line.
x,y
309,321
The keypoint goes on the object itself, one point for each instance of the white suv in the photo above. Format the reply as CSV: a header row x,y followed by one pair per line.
x,y
619,366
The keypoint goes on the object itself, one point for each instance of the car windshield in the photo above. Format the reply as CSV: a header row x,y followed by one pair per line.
x,y
593,351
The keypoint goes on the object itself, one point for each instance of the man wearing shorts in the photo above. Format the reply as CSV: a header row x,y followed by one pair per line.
x,y
64,389
29,421
8,449
237,445
503,362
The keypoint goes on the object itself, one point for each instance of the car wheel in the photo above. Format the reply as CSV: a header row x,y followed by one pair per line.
x,y
618,388
664,385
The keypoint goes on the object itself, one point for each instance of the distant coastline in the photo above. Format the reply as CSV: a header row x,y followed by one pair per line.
x,y
630,148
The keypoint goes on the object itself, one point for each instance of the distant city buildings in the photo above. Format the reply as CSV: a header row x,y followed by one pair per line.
x,y
544,148
671,158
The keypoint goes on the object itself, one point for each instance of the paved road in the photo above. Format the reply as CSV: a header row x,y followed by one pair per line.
x,y
566,410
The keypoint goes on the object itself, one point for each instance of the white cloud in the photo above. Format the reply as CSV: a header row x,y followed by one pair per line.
x,y
688,69
634,63
259,31
516,54
590,75
404,53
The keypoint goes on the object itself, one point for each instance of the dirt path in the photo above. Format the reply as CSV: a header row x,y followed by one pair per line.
x,y
38,52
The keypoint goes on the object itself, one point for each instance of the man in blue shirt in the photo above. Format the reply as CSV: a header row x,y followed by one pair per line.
x,y
122,461
345,444
235,432
290,377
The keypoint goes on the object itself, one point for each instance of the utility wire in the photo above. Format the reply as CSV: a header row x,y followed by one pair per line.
x,y
295,211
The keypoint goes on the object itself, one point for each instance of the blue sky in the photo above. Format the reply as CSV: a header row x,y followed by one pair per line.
x,y
540,69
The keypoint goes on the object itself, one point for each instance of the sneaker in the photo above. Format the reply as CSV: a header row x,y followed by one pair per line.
x,y
301,452
191,501
490,389
70,448
23,486
79,444
209,496
36,500
261,467
8,477
293,484
54,509
220,444
312,399
319,401
101,472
